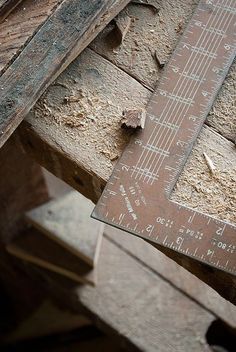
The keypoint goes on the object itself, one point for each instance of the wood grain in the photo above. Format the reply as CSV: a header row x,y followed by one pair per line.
x,y
20,26
63,36
6,7
155,35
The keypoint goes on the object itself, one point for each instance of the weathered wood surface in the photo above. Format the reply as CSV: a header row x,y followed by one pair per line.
x,y
72,26
20,26
74,130
67,221
36,248
6,7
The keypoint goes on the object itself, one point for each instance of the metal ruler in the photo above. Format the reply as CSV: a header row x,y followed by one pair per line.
x,y
136,198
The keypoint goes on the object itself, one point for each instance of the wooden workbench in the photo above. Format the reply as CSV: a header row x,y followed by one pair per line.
x,y
74,131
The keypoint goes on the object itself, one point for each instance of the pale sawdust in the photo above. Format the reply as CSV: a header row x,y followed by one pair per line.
x,y
82,111
85,105
211,193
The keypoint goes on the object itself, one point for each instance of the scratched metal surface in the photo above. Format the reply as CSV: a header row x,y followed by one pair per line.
x,y
136,198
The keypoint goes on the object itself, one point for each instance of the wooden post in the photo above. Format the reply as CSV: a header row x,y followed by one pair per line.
x,y
22,187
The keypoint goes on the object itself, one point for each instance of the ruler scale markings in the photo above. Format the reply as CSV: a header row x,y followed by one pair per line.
x,y
170,105
180,86
189,88
151,163
193,135
174,136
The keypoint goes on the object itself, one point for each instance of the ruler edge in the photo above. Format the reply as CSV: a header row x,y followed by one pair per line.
x,y
94,214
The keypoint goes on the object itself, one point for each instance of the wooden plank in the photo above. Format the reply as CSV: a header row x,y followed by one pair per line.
x,y
39,250
161,265
64,35
22,187
67,221
46,320
6,7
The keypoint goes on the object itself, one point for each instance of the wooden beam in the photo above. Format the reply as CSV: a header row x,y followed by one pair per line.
x,y
22,188
62,37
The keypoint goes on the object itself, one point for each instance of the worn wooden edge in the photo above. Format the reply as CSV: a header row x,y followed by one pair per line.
x,y
6,7
15,31
50,52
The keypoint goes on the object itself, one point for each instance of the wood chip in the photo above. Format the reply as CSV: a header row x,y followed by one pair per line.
x,y
159,61
133,118
122,26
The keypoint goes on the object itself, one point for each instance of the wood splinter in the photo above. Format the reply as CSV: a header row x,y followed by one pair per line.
x,y
133,118
210,163
122,26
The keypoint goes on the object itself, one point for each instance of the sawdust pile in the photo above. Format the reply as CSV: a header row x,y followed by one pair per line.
x,y
211,193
